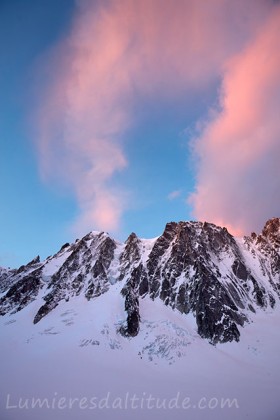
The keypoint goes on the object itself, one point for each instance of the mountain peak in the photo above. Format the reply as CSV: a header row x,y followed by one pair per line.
x,y
194,268
271,229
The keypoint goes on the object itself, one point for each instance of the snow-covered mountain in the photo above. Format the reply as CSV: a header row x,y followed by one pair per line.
x,y
107,330
192,267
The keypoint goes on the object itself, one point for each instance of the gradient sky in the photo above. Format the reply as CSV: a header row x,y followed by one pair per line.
x,y
123,115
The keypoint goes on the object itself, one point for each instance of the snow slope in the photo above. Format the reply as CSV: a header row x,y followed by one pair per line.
x,y
76,357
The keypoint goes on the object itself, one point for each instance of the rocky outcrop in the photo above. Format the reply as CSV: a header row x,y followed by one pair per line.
x,y
21,293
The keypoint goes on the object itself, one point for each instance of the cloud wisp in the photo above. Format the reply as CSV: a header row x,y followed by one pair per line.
x,y
174,194
117,53
238,179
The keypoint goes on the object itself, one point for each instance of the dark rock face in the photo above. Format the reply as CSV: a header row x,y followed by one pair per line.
x,y
20,294
266,248
6,279
130,256
85,269
192,267
133,317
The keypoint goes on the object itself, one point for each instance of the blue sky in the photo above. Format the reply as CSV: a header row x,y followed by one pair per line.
x,y
36,217
107,114
33,216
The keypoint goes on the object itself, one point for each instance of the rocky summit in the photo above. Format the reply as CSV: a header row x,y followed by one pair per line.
x,y
193,267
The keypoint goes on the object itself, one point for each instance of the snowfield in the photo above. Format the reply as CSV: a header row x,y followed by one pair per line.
x,y
74,364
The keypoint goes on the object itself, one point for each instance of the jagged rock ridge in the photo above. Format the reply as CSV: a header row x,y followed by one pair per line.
x,y
192,267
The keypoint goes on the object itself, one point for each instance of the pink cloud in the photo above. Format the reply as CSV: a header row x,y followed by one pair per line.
x,y
116,53
238,178
174,194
